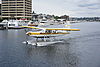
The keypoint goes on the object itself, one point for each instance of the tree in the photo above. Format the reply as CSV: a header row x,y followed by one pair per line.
x,y
56,17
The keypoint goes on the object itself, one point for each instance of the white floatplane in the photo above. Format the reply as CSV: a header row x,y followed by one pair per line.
x,y
45,33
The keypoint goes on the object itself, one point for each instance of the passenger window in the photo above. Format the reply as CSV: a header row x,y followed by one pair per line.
x,y
48,31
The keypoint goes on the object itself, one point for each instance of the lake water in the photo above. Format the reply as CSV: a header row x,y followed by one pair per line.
x,y
79,49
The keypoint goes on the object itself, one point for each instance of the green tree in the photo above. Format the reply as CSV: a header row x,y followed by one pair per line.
x,y
56,17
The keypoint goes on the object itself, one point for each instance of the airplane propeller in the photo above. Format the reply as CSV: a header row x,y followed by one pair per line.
x,y
26,38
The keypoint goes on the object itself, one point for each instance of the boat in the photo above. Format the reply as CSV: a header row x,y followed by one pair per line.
x,y
3,25
14,24
31,23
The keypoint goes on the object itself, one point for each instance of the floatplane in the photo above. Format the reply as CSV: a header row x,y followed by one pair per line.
x,y
46,33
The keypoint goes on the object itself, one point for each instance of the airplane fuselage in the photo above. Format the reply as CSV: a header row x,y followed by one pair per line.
x,y
47,33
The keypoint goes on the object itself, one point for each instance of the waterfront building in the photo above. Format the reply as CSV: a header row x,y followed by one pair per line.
x,y
0,12
0,9
16,9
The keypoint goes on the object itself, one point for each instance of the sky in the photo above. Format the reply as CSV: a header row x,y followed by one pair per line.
x,y
73,8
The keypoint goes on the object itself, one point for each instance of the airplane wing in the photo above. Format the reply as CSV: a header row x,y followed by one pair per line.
x,y
67,29
31,27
